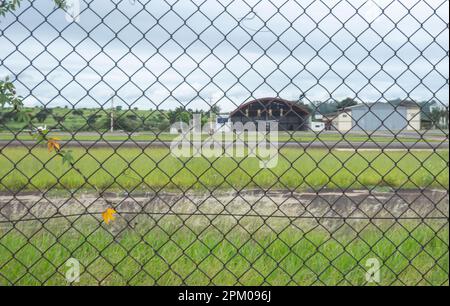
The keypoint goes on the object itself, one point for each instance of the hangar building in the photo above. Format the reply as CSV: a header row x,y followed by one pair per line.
x,y
376,116
289,115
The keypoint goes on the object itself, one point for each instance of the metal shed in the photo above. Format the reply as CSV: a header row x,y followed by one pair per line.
x,y
385,116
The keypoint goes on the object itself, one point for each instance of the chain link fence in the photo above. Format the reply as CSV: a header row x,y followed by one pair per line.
x,y
224,143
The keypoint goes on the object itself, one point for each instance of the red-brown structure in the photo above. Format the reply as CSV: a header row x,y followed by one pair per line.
x,y
290,116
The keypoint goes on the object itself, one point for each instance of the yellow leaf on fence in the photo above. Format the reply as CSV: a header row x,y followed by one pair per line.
x,y
108,215
53,144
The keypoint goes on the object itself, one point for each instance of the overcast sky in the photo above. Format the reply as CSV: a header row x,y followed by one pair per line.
x,y
169,53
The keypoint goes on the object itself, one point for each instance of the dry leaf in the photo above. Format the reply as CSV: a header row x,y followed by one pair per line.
x,y
53,144
108,215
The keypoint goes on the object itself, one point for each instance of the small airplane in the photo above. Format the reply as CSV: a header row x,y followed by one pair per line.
x,y
36,129
41,128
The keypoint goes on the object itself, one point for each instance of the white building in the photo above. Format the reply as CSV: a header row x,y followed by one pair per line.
x,y
376,117
223,123
340,121
317,126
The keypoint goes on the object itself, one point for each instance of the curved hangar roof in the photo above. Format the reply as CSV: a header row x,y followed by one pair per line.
x,y
268,103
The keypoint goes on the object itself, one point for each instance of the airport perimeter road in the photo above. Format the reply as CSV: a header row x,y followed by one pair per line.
x,y
317,144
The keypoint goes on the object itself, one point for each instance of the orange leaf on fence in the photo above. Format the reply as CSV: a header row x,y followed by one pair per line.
x,y
108,215
53,144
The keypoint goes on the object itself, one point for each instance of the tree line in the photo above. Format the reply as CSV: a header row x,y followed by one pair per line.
x,y
133,119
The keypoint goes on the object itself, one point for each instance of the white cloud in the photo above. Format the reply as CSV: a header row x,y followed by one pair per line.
x,y
190,75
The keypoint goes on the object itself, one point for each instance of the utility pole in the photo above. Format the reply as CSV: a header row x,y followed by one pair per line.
x,y
212,116
112,113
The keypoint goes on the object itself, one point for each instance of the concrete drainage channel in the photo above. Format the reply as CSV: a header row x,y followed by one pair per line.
x,y
324,207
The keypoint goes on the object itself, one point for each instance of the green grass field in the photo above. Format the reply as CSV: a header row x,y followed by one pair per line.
x,y
179,251
155,169
167,249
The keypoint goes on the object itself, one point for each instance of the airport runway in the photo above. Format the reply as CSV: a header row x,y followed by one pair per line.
x,y
317,144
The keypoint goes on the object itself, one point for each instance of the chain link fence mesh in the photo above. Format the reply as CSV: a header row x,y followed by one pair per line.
x,y
359,191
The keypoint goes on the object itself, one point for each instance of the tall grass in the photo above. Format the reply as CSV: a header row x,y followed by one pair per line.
x,y
155,168
228,253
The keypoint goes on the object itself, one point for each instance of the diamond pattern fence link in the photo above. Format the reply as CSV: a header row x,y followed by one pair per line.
x,y
98,93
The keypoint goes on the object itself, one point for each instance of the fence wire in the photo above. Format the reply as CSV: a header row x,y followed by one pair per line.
x,y
352,96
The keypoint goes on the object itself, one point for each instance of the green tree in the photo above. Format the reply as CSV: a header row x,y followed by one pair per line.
x,y
179,114
8,95
12,5
215,109
347,102
77,112
439,118
42,115
164,125
132,117
92,119
59,119
6,117
129,123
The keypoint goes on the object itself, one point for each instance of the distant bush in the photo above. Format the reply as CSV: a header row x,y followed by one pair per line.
x,y
164,125
77,112
42,115
128,123
92,120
